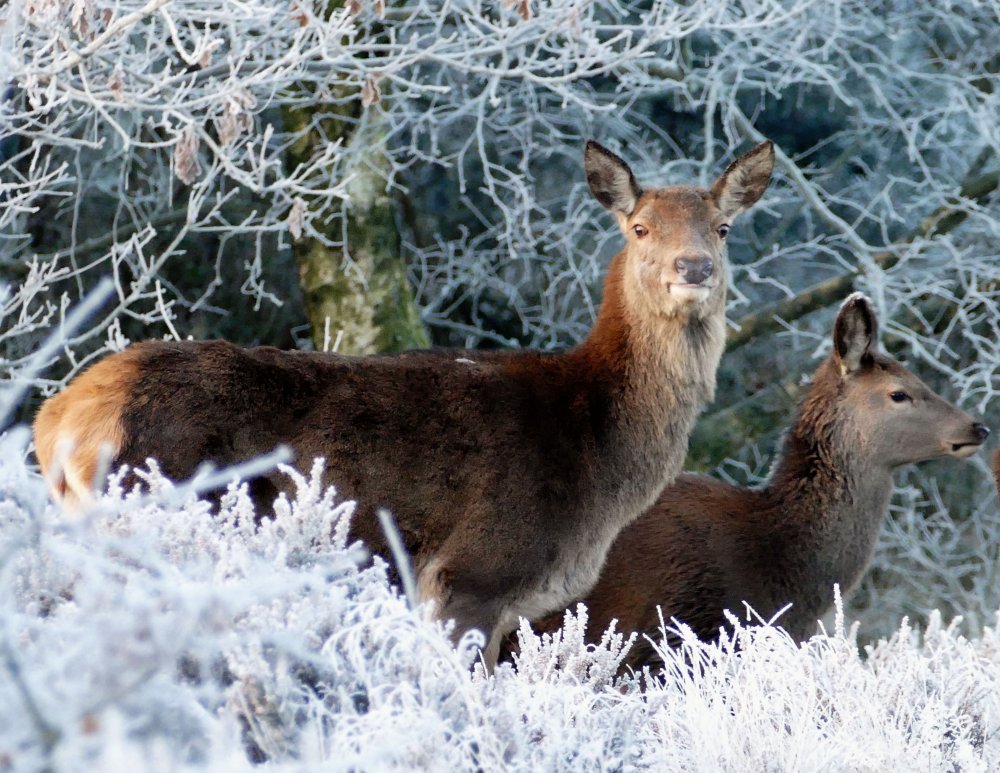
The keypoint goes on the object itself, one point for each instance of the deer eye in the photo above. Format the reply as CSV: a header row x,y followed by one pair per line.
x,y
723,231
640,230
898,397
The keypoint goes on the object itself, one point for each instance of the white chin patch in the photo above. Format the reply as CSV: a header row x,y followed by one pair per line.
x,y
964,452
688,293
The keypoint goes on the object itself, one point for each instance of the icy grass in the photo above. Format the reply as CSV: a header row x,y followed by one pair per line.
x,y
153,636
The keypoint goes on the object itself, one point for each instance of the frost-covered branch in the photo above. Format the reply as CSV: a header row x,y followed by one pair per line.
x,y
776,316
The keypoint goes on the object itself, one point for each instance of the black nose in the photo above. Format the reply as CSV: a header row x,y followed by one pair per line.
x,y
693,269
981,431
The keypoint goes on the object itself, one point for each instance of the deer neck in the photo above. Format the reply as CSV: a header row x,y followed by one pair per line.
x,y
831,497
657,372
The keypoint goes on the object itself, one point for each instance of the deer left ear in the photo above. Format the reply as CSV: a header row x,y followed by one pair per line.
x,y
855,334
745,180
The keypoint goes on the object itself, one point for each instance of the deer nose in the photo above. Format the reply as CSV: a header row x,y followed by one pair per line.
x,y
693,269
981,431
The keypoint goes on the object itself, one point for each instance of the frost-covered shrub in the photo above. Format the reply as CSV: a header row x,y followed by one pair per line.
x,y
155,634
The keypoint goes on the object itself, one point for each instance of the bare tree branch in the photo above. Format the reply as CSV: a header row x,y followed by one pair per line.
x,y
775,316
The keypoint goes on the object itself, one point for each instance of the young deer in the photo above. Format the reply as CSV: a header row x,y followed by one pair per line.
x,y
708,546
508,473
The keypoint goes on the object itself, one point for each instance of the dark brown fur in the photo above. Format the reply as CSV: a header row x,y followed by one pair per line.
x,y
508,473
708,546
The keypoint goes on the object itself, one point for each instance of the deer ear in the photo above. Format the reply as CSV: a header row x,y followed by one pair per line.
x,y
610,179
855,334
745,180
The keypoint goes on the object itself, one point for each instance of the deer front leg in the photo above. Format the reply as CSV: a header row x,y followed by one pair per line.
x,y
457,594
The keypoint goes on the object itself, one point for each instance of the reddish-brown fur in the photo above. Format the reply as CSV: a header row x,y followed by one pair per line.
x,y
996,469
74,430
708,546
508,473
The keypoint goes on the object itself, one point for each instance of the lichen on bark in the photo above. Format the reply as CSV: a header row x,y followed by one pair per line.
x,y
361,287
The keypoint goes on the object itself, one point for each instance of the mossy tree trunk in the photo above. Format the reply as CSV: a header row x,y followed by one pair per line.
x,y
360,287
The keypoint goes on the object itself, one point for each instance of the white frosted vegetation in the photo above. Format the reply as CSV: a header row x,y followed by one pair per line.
x,y
154,634
149,127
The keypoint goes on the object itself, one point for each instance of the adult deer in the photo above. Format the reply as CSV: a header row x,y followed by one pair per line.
x,y
708,546
509,473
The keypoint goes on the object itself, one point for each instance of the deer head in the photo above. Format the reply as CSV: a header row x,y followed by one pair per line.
x,y
676,236
896,417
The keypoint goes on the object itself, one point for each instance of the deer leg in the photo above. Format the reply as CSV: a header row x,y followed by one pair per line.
x,y
453,596
470,612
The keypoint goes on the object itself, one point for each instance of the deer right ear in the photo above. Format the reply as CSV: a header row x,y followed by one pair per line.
x,y
610,179
855,333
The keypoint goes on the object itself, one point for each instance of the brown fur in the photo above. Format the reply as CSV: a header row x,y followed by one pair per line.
x,y
996,469
707,546
508,473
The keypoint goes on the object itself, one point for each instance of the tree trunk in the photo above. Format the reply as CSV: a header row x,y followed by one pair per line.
x,y
361,287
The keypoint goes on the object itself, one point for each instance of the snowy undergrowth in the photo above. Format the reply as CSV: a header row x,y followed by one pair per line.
x,y
152,634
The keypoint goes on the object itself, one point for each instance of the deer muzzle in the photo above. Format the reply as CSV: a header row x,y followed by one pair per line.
x,y
978,433
693,269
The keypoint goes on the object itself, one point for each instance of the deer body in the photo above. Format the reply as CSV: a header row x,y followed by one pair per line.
x,y
708,546
508,473
786,543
